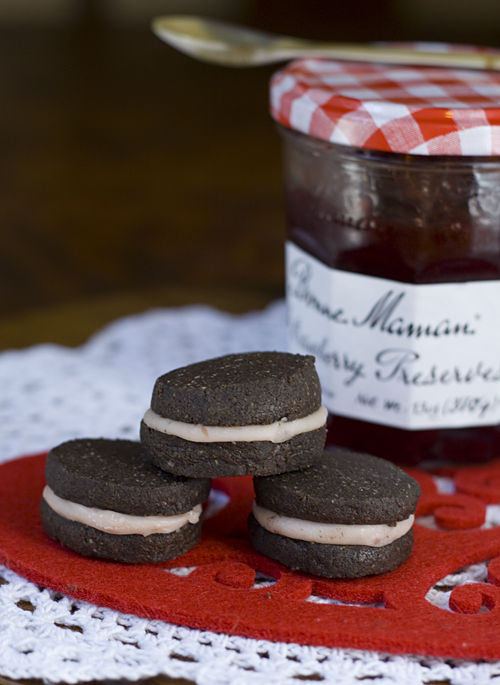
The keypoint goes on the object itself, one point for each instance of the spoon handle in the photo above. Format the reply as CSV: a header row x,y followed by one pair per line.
x,y
462,59
226,44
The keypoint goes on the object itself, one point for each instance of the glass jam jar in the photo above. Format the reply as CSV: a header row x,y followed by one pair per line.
x,y
392,189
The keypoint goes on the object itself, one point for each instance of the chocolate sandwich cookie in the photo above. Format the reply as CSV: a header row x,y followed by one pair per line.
x,y
350,515
258,413
104,499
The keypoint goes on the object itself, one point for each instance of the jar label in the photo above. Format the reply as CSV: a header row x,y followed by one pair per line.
x,y
397,354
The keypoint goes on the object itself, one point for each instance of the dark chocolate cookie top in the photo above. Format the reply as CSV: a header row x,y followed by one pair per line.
x,y
115,475
344,487
255,388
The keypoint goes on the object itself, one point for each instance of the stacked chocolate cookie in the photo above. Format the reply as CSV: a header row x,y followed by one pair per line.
x,y
252,414
332,513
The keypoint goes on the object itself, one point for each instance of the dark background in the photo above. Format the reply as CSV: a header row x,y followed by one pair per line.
x,y
128,168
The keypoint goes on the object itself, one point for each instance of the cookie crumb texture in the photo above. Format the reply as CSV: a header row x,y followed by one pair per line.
x,y
342,487
128,549
116,475
254,388
330,561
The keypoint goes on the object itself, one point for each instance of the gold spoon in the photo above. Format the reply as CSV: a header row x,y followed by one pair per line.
x,y
233,45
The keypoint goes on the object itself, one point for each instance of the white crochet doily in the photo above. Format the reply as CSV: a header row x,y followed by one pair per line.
x,y
50,394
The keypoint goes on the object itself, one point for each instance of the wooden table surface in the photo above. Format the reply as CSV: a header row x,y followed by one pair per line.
x,y
159,680
74,322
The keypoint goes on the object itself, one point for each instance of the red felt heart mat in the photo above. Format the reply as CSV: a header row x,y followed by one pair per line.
x,y
221,594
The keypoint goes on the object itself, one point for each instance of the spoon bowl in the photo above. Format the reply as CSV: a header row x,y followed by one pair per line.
x,y
222,43
232,45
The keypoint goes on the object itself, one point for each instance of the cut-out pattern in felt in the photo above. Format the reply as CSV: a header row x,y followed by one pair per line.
x,y
221,595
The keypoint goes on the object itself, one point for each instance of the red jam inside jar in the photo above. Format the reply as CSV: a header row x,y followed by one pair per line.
x,y
408,218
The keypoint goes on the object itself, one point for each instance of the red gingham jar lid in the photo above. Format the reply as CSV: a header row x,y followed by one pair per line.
x,y
411,110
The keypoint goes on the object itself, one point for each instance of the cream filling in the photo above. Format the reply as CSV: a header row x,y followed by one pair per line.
x,y
116,523
280,431
377,535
